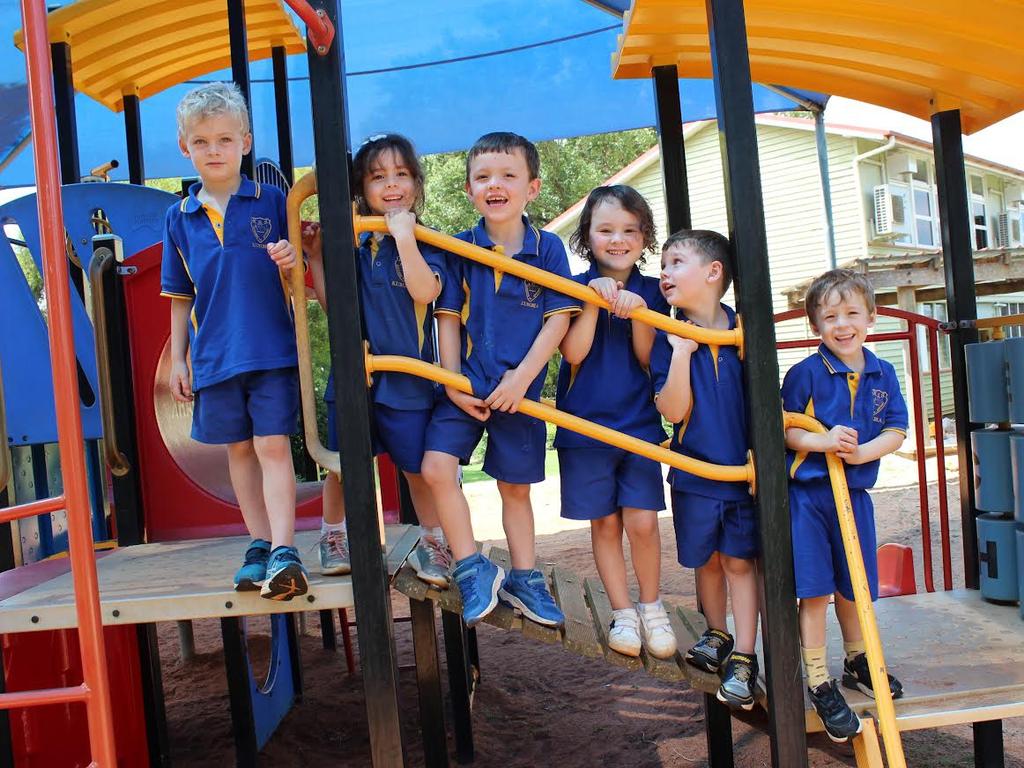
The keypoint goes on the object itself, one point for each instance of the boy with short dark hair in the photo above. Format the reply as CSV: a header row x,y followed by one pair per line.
x,y
699,388
857,397
500,331
224,248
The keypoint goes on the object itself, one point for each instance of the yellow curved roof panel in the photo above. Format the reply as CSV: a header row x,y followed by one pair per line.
x,y
915,56
142,47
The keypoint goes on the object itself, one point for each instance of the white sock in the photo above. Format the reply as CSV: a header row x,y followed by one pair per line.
x,y
655,606
437,533
325,527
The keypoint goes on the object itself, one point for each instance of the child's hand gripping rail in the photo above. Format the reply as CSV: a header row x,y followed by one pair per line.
x,y
862,596
303,188
501,263
730,474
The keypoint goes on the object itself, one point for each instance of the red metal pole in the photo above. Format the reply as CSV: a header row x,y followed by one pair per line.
x,y
32,508
922,474
940,459
65,382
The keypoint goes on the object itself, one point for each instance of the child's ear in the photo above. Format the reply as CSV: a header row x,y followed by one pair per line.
x,y
715,271
247,144
465,187
533,190
182,147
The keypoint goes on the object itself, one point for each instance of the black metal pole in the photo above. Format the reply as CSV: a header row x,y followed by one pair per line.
x,y
673,153
731,65
236,665
460,686
370,586
283,108
988,744
240,65
133,139
67,131
961,308
428,680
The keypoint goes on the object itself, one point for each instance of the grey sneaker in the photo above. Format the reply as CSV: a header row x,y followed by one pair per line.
x,y
334,556
432,561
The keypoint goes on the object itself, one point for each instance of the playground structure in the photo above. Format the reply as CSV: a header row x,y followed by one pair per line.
x,y
985,699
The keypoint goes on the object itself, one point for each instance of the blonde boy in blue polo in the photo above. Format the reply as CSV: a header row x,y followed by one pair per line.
x,y
224,249
857,397
501,331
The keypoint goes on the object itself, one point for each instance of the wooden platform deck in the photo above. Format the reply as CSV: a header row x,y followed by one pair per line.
x,y
172,581
960,658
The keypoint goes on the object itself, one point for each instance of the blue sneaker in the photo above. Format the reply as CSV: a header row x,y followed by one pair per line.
x,y
254,570
528,591
478,580
286,576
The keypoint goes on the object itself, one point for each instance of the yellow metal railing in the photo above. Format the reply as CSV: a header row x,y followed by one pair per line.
x,y
862,595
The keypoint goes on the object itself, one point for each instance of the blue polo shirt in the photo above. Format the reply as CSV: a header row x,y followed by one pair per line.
x,y
715,430
393,323
502,314
241,313
826,388
610,386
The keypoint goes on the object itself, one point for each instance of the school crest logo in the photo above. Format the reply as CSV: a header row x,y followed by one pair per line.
x,y
879,399
400,271
533,292
260,226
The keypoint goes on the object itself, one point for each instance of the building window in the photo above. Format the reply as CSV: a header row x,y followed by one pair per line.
x,y
978,214
936,310
1011,308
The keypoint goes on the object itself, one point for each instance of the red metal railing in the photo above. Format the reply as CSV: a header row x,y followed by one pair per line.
x,y
909,335
318,26
95,689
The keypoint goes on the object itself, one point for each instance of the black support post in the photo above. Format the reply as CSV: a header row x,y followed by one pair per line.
x,y
240,65
428,679
961,308
673,153
731,65
236,664
459,684
370,585
282,105
988,744
133,139
67,132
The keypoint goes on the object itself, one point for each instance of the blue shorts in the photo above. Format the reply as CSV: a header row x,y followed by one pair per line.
x,y
705,525
254,404
597,482
515,441
819,559
400,434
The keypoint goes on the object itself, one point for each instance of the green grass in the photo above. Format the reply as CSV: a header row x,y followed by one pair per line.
x,y
474,472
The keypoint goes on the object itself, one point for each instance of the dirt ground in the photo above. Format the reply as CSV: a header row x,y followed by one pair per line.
x,y
537,704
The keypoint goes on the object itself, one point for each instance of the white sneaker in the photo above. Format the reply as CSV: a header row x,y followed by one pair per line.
x,y
624,634
659,639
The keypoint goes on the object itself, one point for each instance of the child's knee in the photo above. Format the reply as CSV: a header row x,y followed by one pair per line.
x,y
438,470
514,492
609,526
272,448
735,566
641,525
713,566
244,449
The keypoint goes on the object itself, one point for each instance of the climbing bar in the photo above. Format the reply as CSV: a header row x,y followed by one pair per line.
x,y
102,261
5,451
571,288
742,473
318,26
303,188
861,594
32,508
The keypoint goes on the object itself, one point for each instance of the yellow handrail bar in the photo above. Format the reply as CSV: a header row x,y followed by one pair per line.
x,y
861,594
303,188
571,288
739,473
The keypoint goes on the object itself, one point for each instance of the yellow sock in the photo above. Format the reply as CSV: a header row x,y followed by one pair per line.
x,y
814,664
853,649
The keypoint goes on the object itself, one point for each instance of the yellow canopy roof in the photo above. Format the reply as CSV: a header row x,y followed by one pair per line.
x,y
142,47
915,56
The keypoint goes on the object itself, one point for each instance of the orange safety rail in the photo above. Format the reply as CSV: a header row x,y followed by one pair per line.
x,y
930,328
318,26
95,689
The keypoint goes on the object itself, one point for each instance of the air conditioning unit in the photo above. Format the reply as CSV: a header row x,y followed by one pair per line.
x,y
884,220
1003,230
900,164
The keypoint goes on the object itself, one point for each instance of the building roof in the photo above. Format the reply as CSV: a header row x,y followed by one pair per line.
x,y
914,56
141,47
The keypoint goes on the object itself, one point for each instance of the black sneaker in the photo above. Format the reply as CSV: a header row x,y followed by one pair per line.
x,y
738,681
839,720
711,651
856,677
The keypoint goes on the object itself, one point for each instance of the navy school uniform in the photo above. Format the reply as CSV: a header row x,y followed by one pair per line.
x,y
394,324
709,515
611,388
501,316
871,402
241,333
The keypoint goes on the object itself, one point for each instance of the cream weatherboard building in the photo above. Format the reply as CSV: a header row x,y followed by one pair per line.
x,y
884,217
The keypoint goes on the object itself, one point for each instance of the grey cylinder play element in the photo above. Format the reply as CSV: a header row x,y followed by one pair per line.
x,y
1017,474
986,382
997,558
993,476
1013,352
